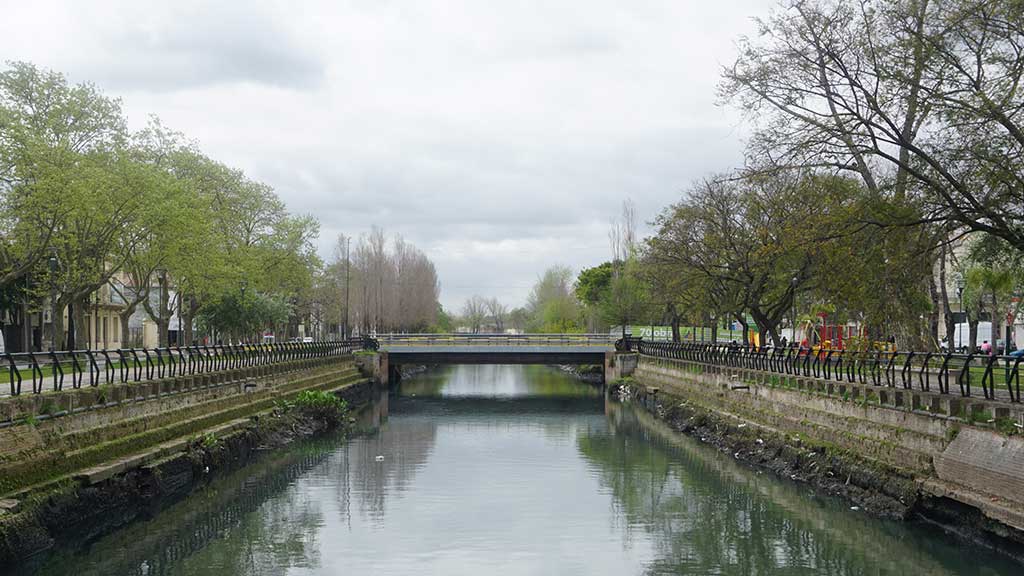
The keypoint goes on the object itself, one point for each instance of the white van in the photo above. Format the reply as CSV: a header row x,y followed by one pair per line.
x,y
962,335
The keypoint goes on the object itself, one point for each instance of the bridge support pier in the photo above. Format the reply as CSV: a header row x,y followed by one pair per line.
x,y
376,366
619,365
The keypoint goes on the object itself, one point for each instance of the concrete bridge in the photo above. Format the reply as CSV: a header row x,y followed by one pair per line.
x,y
579,349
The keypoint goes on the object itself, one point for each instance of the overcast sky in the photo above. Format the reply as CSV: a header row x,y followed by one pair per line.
x,y
499,137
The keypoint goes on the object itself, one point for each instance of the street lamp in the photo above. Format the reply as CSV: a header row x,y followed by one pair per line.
x,y
162,337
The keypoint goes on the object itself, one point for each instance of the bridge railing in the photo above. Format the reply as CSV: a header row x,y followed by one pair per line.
x,y
398,340
994,377
38,372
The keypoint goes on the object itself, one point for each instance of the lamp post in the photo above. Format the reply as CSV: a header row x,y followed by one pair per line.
x,y
162,325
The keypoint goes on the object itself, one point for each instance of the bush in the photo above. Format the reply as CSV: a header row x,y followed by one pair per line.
x,y
322,405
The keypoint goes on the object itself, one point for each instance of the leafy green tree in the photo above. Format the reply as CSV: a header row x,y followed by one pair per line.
x,y
591,289
592,284
552,307
52,136
626,300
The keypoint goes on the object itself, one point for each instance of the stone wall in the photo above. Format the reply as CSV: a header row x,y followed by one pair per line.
x,y
54,437
967,450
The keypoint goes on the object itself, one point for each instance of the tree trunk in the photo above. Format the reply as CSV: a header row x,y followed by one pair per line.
x,y
997,323
193,309
934,314
948,311
767,329
972,339
81,334
674,320
57,323
744,327
124,317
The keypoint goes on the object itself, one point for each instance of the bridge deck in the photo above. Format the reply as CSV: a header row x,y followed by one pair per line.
x,y
496,348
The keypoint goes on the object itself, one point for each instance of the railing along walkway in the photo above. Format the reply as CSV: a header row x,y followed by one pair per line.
x,y
38,372
997,376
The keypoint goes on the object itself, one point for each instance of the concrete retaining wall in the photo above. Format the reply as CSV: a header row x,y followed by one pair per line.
x,y
965,449
45,438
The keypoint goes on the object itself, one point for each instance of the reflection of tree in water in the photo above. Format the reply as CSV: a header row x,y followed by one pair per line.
x,y
262,531
495,380
405,446
708,515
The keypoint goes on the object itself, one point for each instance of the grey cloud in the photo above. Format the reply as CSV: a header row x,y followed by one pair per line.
x,y
219,46
499,137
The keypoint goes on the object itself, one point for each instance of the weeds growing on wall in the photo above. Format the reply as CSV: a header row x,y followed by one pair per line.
x,y
322,404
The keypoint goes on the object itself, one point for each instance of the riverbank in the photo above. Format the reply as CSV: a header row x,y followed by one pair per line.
x,y
590,374
85,510
866,485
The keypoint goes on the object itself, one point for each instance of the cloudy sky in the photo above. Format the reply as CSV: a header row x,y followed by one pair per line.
x,y
499,137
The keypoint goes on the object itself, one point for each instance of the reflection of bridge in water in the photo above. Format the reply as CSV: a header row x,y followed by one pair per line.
x,y
441,349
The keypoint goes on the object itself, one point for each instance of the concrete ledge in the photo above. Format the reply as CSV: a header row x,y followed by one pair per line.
x,y
984,461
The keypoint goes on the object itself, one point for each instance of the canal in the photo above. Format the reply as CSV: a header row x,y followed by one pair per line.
x,y
511,470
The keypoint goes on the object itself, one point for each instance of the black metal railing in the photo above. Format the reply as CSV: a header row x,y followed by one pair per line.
x,y
37,372
997,376
400,340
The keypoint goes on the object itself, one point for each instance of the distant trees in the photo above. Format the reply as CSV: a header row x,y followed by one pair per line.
x,y
552,307
496,312
394,287
473,313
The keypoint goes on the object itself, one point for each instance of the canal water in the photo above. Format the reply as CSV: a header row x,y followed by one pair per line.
x,y
512,470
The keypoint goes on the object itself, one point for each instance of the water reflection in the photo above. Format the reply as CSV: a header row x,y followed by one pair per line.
x,y
708,514
495,381
158,546
510,470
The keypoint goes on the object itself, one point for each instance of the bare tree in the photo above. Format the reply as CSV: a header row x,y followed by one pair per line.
x,y
393,287
919,98
474,311
497,312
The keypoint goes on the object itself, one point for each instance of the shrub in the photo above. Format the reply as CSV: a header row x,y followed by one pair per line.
x,y
322,404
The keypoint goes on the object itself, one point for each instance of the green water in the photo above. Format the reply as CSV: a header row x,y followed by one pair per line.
x,y
512,470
